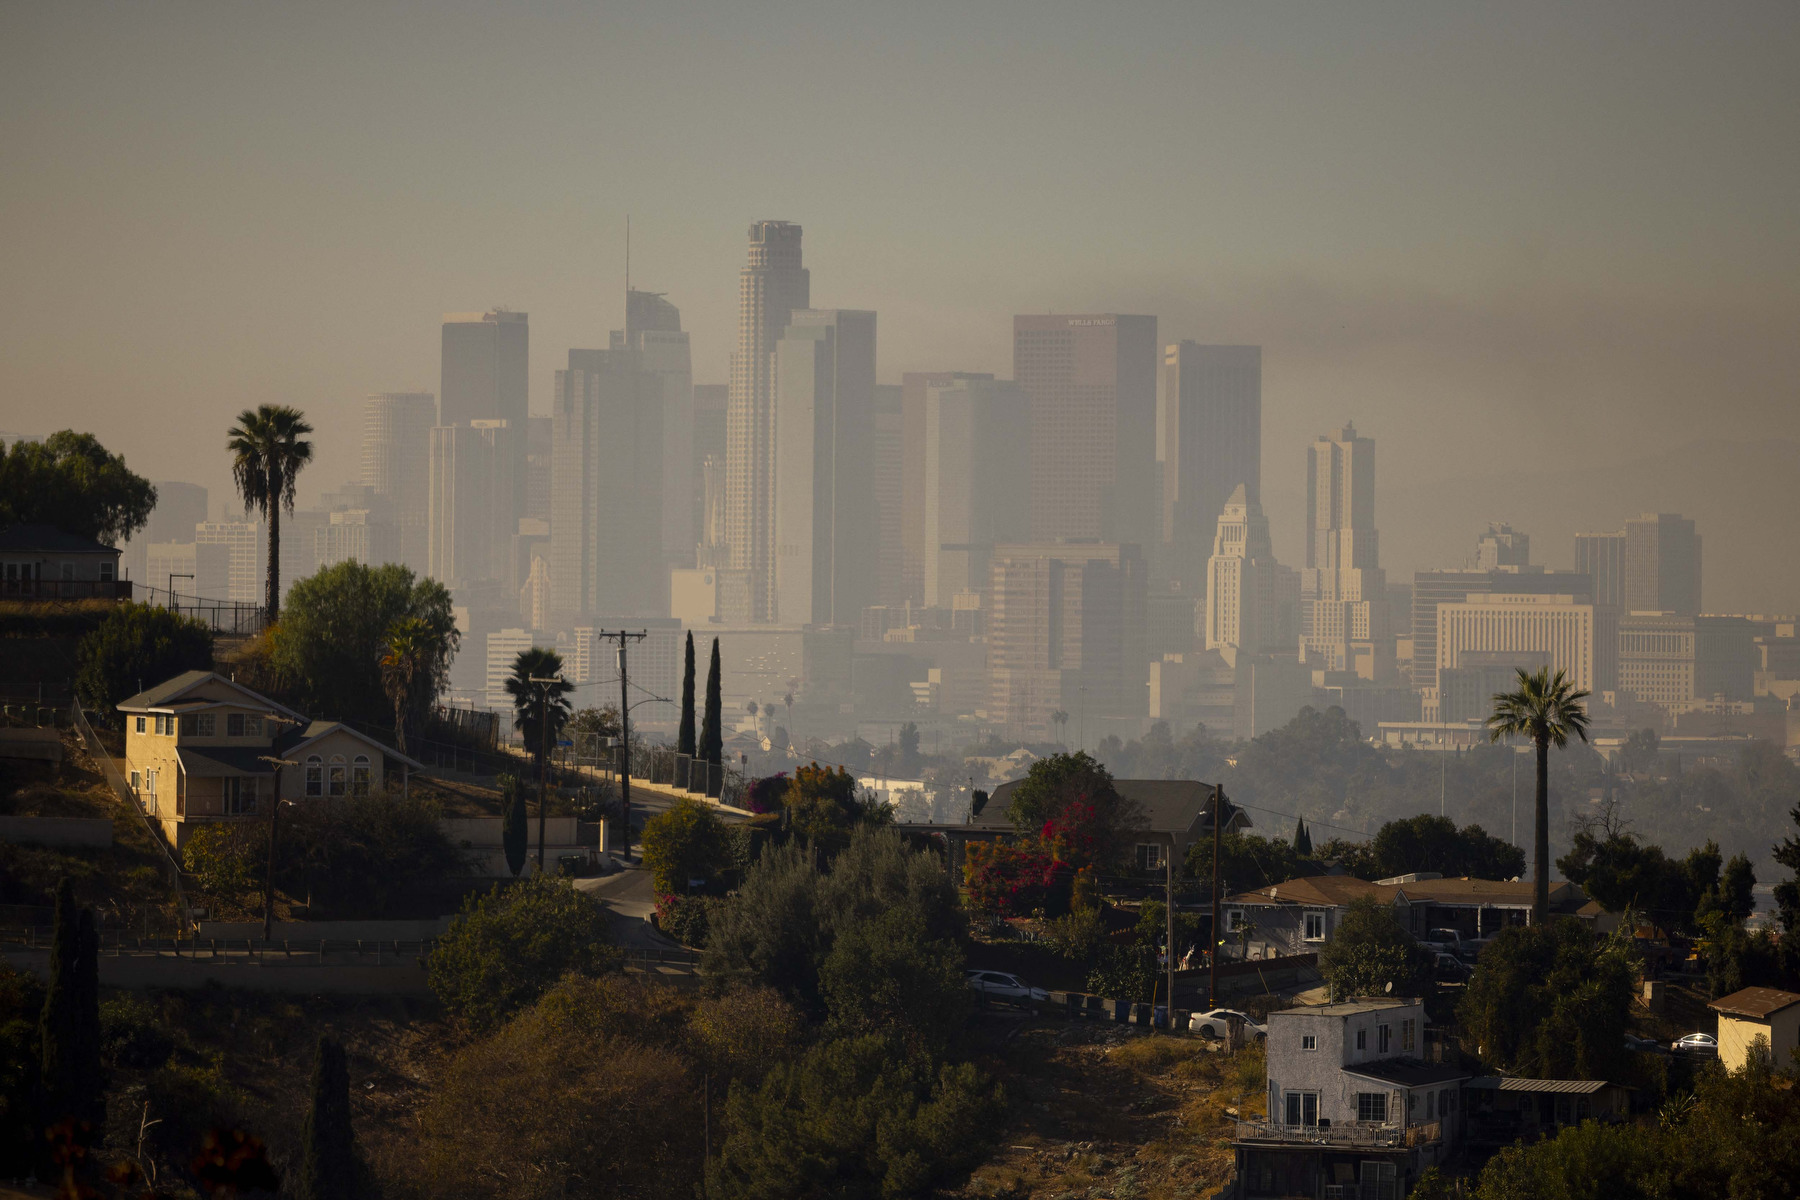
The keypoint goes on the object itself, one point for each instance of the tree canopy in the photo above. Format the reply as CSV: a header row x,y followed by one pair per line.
x,y
137,646
1068,802
684,843
1371,954
72,482
1551,1001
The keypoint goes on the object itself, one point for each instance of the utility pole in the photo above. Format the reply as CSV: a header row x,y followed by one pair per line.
x,y
623,637
1169,911
1212,985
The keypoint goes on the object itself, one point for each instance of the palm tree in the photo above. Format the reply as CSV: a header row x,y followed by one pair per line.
x,y
1060,719
268,448
1547,709
539,709
407,670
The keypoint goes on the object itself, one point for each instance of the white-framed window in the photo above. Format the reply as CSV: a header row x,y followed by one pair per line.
x,y
137,778
1372,1107
1150,856
337,775
1406,1034
106,570
140,724
315,776
1315,927
359,775
1302,1108
1384,1037
1234,920
1309,1041
204,724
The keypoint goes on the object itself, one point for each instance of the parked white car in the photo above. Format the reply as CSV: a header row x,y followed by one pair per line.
x,y
1216,1023
1695,1043
998,985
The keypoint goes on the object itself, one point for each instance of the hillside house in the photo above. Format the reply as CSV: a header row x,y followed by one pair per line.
x,y
201,748
1757,1012
41,562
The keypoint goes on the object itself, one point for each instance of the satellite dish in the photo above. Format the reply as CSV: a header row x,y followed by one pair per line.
x,y
1389,989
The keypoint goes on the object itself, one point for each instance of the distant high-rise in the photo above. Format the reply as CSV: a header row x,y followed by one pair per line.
x,y
396,463
653,331
1502,546
913,385
1211,441
887,489
772,284
471,522
606,553
977,481
1343,589
825,514
1433,588
1578,637
1242,604
484,376
1662,565
709,442
247,557
179,508
1601,557
1092,384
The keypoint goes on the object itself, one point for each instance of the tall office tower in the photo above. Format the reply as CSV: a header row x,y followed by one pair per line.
x,y
248,557
1092,383
1579,637
396,463
1066,634
471,520
913,385
485,375
1211,445
1601,557
189,568
1433,588
1242,583
1343,607
1502,546
606,550
1657,656
887,488
538,445
977,481
355,534
179,507
770,287
653,331
709,442
1662,565
826,522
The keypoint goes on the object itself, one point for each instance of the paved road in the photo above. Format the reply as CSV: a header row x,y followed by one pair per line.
x,y
631,899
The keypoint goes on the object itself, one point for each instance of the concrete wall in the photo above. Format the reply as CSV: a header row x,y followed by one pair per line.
x,y
56,831
276,973
312,931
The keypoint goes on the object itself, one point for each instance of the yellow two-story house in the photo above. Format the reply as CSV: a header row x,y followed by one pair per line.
x,y
200,748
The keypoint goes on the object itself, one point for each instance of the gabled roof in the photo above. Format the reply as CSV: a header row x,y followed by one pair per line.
x,y
1318,891
201,762
1170,806
1757,1003
177,690
48,539
1340,890
1407,1072
320,729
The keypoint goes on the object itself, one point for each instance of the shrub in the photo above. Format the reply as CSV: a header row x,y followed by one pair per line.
x,y
137,646
766,795
130,1035
1551,1001
227,858
685,843
1370,950
510,945
190,1101
743,1031
360,853
685,918
887,973
1007,880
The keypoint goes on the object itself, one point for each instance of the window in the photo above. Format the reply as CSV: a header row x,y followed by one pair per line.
x,y
240,795
106,570
1383,1038
1302,1108
1406,1034
137,780
1309,1041
337,775
1371,1106
1443,1099
1234,920
359,775
315,776
187,725
1149,856
140,724
234,725
252,726
204,724
1315,927
1362,1039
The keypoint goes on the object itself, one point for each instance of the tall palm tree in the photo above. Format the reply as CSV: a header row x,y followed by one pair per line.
x,y
1546,708
408,670
268,447
539,710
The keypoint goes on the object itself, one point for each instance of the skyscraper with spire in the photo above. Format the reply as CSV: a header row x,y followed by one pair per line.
x,y
772,284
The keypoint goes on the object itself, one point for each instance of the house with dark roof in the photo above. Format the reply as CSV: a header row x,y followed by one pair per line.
x,y
202,748
1503,1110
1757,1012
41,562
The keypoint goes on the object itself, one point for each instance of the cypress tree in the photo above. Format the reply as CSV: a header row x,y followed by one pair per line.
x,y
69,1028
1302,837
329,1167
515,834
684,739
712,733
90,1077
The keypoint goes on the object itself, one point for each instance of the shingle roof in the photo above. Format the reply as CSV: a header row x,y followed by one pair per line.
x,y
1343,1008
1567,1087
319,729
1407,1072
1338,890
1755,1003
48,539
210,761
156,697
1318,890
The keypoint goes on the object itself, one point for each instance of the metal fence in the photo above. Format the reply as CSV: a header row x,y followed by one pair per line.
x,y
97,750
223,616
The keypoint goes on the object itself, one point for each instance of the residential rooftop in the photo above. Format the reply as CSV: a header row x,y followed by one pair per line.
x,y
1755,1003
1343,1008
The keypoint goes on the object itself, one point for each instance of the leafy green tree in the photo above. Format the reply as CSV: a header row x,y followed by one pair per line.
x,y
712,724
854,1119
889,973
360,855
1590,1161
137,646
1620,872
1248,861
73,483
72,1082
1370,951
1433,843
1546,708
327,651
21,1008
330,1167
823,802
686,842
415,669
1639,751
1065,785
511,944
684,736
227,858
515,836
1551,1002
268,449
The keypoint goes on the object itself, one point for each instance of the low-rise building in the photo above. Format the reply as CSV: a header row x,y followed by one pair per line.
x,y
201,748
1501,1111
1757,1012
41,562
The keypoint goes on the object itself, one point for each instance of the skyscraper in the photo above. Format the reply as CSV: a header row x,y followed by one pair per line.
x,y
1211,442
825,515
913,385
606,551
484,376
397,465
1661,565
771,286
1343,589
1092,384
1242,604
1601,557
653,331
886,489
977,481
709,442
1502,546
472,483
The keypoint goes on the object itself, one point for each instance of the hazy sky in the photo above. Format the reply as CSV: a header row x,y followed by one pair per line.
x,y
1521,237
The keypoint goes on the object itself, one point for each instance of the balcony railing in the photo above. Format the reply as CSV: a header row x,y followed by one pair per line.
x,y
1355,1133
65,589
